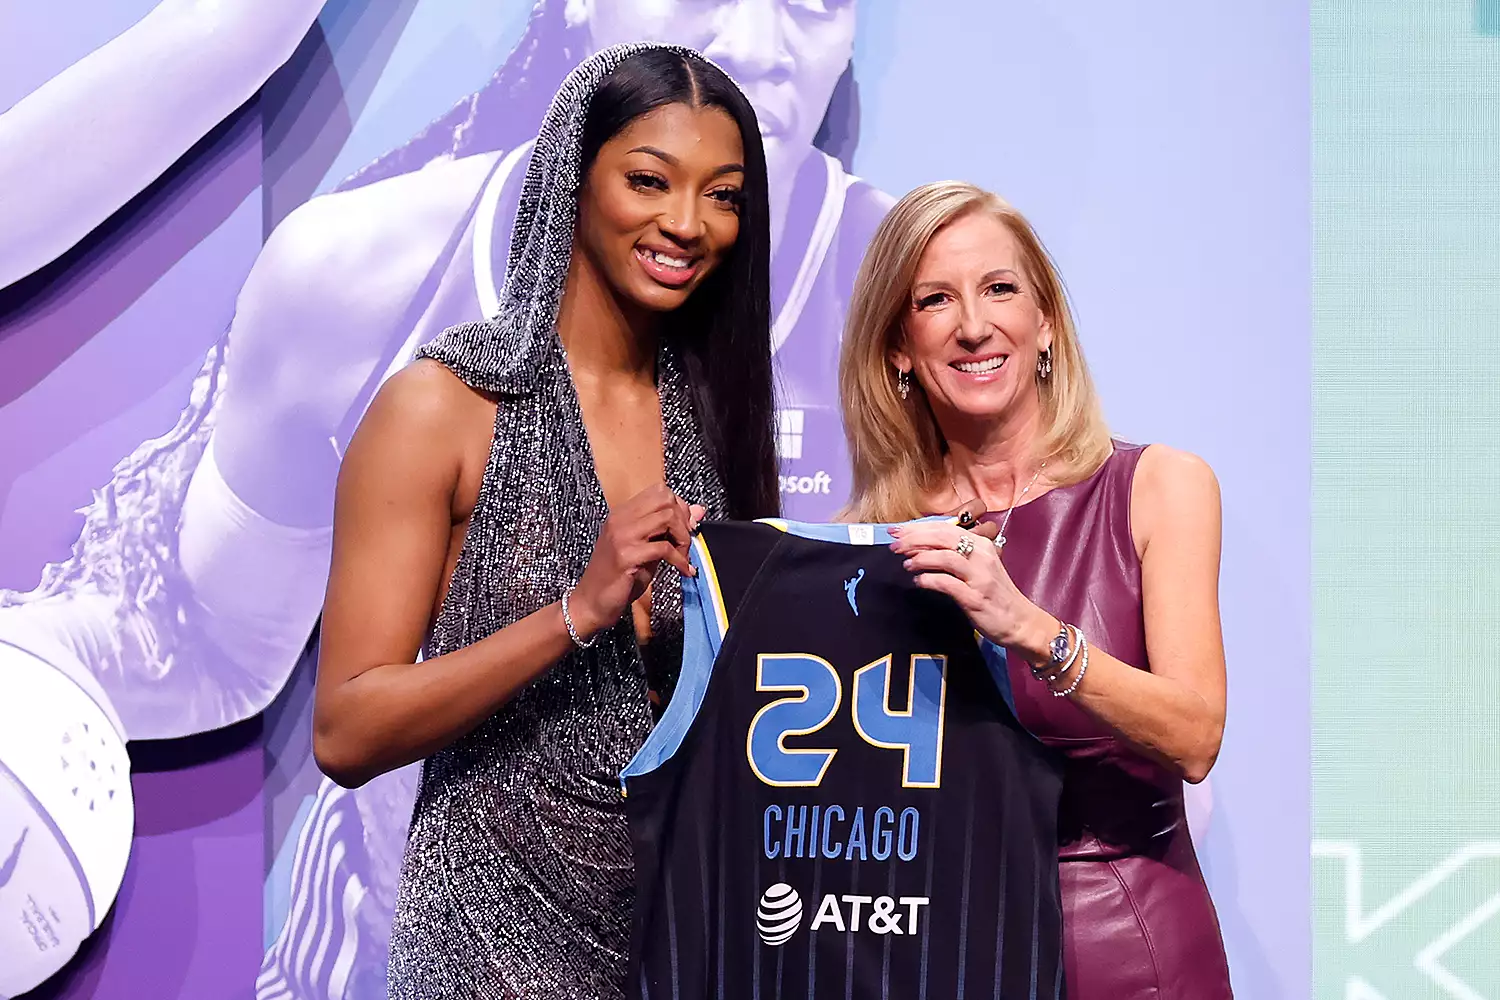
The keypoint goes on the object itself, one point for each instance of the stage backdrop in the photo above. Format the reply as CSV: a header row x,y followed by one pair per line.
x,y
1406,499
222,229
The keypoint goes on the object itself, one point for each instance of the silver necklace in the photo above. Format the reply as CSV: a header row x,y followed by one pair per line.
x,y
1005,523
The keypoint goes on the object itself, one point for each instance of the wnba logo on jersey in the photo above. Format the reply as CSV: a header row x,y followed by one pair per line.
x,y
851,585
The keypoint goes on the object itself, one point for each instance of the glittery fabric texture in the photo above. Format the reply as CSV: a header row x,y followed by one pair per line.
x,y
517,880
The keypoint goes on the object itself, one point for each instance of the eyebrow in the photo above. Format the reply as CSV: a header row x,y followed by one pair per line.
x,y
666,157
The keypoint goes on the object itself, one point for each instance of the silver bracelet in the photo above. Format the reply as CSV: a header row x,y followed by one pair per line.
x,y
1083,668
568,621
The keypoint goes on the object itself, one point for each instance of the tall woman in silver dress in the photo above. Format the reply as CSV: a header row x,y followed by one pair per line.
x,y
511,507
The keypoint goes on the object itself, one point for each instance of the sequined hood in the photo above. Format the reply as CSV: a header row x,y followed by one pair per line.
x,y
502,353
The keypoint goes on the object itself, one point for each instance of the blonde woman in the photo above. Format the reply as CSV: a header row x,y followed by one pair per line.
x,y
963,384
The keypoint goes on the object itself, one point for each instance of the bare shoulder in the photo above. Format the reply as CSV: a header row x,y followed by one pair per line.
x,y
426,438
868,202
427,403
865,205
1175,489
1164,469
334,280
352,241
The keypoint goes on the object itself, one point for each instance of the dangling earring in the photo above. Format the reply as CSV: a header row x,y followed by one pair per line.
x,y
1044,364
903,383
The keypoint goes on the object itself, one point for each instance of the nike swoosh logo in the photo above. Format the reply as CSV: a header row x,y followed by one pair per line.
x,y
13,860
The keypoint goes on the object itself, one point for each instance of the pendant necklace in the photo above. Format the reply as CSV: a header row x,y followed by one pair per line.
x,y
1005,523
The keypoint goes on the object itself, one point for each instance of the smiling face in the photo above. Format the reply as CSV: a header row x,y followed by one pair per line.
x,y
973,330
659,210
787,55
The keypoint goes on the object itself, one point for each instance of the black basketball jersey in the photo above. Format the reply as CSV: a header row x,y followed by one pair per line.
x,y
838,801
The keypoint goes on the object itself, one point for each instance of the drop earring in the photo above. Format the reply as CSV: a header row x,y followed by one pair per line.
x,y
903,383
1044,364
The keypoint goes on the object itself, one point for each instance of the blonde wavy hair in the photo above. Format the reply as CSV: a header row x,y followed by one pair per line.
x,y
895,445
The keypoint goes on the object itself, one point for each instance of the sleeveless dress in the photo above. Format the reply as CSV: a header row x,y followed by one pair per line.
x,y
1138,923
350,846
517,880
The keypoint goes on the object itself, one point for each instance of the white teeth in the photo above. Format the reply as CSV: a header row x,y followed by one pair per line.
x,y
662,258
980,367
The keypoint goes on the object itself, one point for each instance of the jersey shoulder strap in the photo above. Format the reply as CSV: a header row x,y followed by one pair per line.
x,y
728,556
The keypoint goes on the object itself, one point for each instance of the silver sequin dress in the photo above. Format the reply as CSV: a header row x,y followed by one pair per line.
x,y
517,880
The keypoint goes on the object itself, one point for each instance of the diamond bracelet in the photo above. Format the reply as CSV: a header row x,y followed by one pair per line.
x,y
568,621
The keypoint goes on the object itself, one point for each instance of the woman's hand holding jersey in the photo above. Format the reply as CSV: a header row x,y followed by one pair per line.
x,y
965,565
653,527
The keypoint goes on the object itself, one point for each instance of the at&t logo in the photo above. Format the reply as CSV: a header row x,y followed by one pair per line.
x,y
779,914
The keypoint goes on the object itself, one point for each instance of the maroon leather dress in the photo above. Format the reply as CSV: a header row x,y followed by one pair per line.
x,y
1137,919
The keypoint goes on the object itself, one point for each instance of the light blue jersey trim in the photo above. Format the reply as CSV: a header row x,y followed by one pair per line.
x,y
702,634
994,658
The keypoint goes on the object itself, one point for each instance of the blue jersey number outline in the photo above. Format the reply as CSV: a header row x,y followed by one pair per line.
x,y
917,730
819,693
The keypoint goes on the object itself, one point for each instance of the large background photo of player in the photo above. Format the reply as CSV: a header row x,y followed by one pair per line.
x,y
184,354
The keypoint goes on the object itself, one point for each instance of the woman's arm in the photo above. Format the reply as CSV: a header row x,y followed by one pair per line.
x,y
1175,712
94,136
407,484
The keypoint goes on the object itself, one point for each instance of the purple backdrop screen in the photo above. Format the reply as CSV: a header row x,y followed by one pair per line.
x,y
221,227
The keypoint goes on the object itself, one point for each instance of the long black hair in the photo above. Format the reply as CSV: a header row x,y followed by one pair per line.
x,y
723,332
